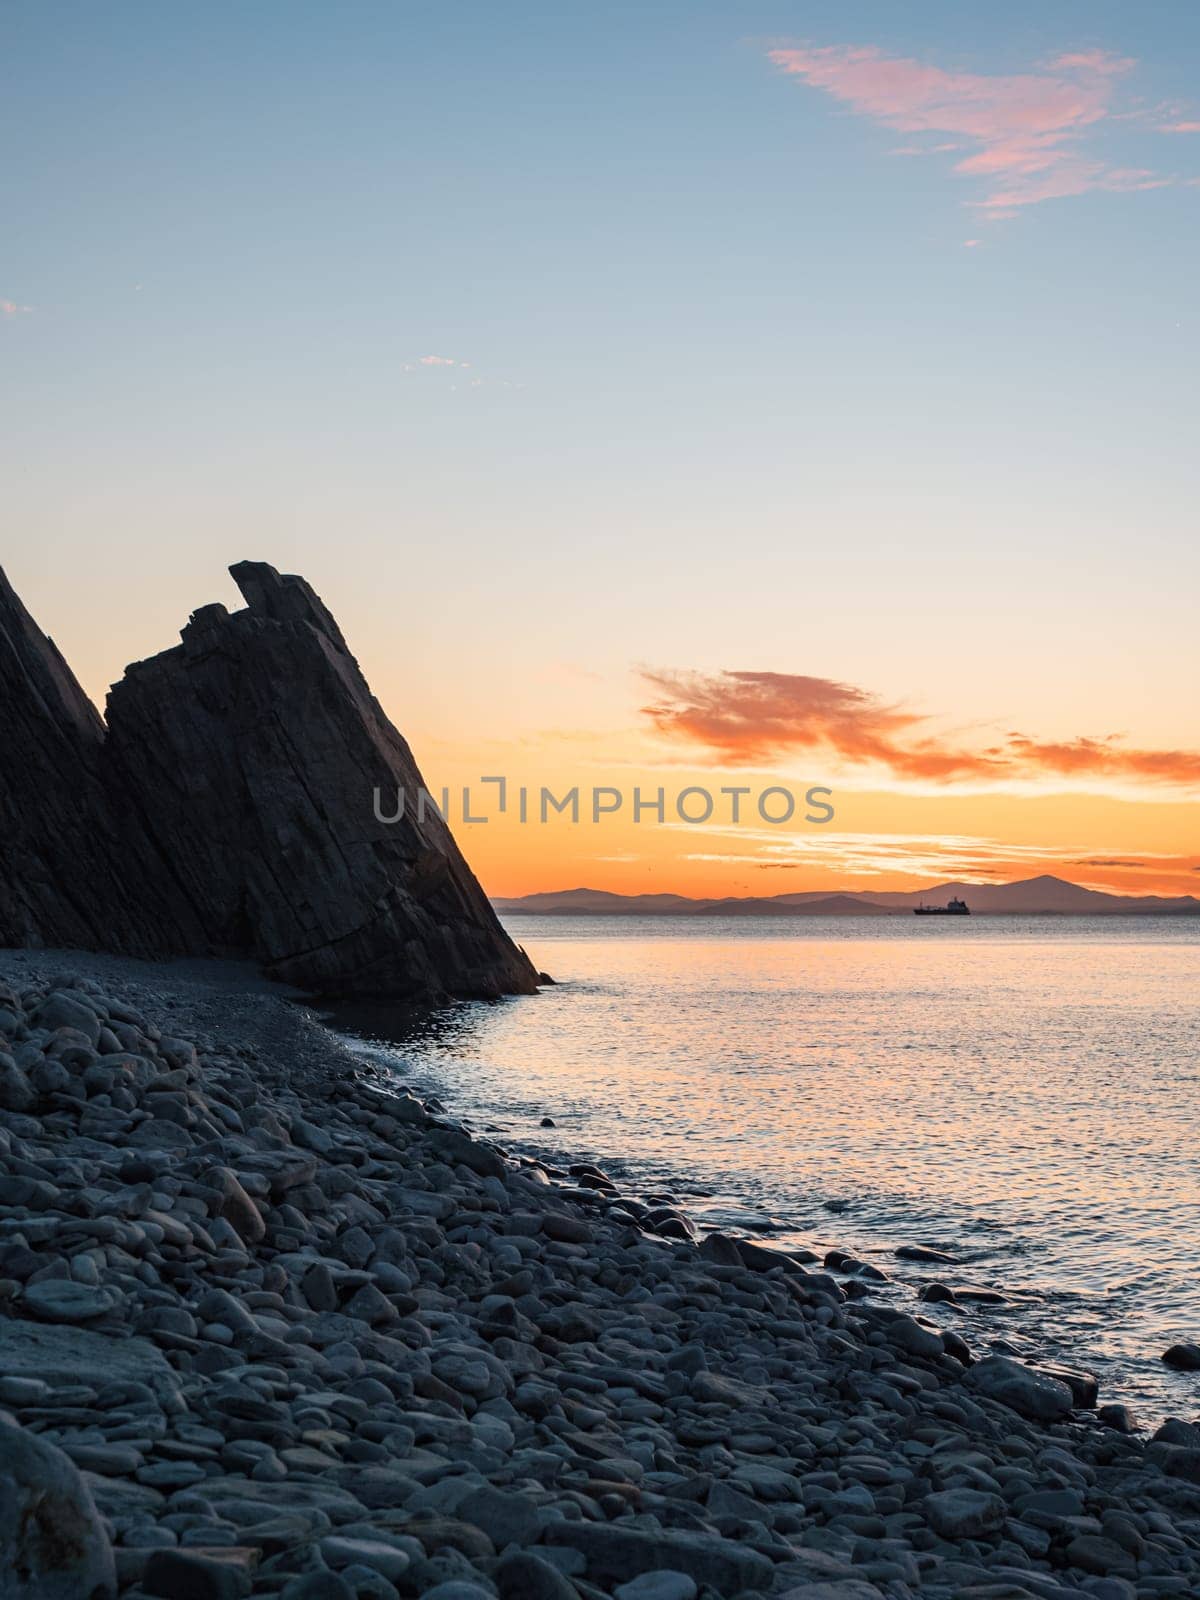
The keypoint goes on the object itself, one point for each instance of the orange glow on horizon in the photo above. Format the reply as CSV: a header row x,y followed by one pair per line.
x,y
877,840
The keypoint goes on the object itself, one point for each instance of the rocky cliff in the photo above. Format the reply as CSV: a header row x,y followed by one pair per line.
x,y
228,809
69,874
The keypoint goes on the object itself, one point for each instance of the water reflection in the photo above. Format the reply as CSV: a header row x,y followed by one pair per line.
x,y
415,1029
1021,1096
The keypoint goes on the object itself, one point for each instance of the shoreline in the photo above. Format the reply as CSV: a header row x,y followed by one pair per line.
x,y
995,1299
378,1355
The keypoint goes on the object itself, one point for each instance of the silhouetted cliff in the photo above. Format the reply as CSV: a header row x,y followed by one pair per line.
x,y
228,809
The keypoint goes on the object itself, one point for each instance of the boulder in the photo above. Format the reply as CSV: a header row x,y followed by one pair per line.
x,y
965,1513
258,750
523,1575
914,1338
16,1091
46,1353
62,1300
237,1208
52,1543
1030,1394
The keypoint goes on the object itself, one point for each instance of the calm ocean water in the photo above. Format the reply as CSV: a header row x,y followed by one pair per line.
x,y
1022,1093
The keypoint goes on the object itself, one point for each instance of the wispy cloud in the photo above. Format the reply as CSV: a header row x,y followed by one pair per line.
x,y
1179,127
747,717
1108,861
455,369
870,855
12,308
852,858
1102,62
1030,136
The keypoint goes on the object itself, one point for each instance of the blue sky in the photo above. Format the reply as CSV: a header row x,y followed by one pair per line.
x,y
737,391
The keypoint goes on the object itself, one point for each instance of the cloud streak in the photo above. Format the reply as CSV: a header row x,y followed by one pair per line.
x,y
852,860
748,717
1029,136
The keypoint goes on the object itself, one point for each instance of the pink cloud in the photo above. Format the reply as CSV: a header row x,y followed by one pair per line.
x,y
10,308
1028,129
1179,127
748,717
1100,61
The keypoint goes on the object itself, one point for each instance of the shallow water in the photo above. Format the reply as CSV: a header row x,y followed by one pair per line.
x,y
1021,1093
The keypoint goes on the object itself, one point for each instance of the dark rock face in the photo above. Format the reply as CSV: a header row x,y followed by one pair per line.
x,y
67,877
49,785
229,809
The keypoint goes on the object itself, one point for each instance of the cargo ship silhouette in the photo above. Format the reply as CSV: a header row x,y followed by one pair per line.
x,y
952,908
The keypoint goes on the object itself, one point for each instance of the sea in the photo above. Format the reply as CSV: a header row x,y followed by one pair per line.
x,y
1021,1094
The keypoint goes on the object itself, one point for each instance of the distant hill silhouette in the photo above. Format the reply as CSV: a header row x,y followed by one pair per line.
x,y
1042,896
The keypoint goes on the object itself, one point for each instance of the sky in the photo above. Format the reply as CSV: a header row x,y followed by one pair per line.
x,y
671,393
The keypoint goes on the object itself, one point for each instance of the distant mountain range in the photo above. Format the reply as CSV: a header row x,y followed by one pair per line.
x,y
1042,896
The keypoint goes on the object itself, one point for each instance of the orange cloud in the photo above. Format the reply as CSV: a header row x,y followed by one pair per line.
x,y
1108,861
1028,127
747,717
751,716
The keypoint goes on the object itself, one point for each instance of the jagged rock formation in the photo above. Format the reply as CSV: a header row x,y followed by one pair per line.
x,y
67,876
229,809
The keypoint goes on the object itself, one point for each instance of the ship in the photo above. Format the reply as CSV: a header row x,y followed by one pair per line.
x,y
952,908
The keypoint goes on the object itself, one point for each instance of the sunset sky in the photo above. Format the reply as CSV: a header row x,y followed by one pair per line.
x,y
680,394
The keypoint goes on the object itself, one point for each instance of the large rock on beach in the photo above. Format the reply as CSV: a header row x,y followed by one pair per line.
x,y
81,1355
1029,1393
61,1300
965,1513
229,808
1183,1357
52,1543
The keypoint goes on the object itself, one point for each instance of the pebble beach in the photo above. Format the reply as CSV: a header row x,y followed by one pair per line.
x,y
271,1325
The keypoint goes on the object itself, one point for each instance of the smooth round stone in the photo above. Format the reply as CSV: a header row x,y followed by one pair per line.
x,y
18,1391
525,1575
664,1585
339,1551
110,1460
172,1474
965,1513
63,1300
